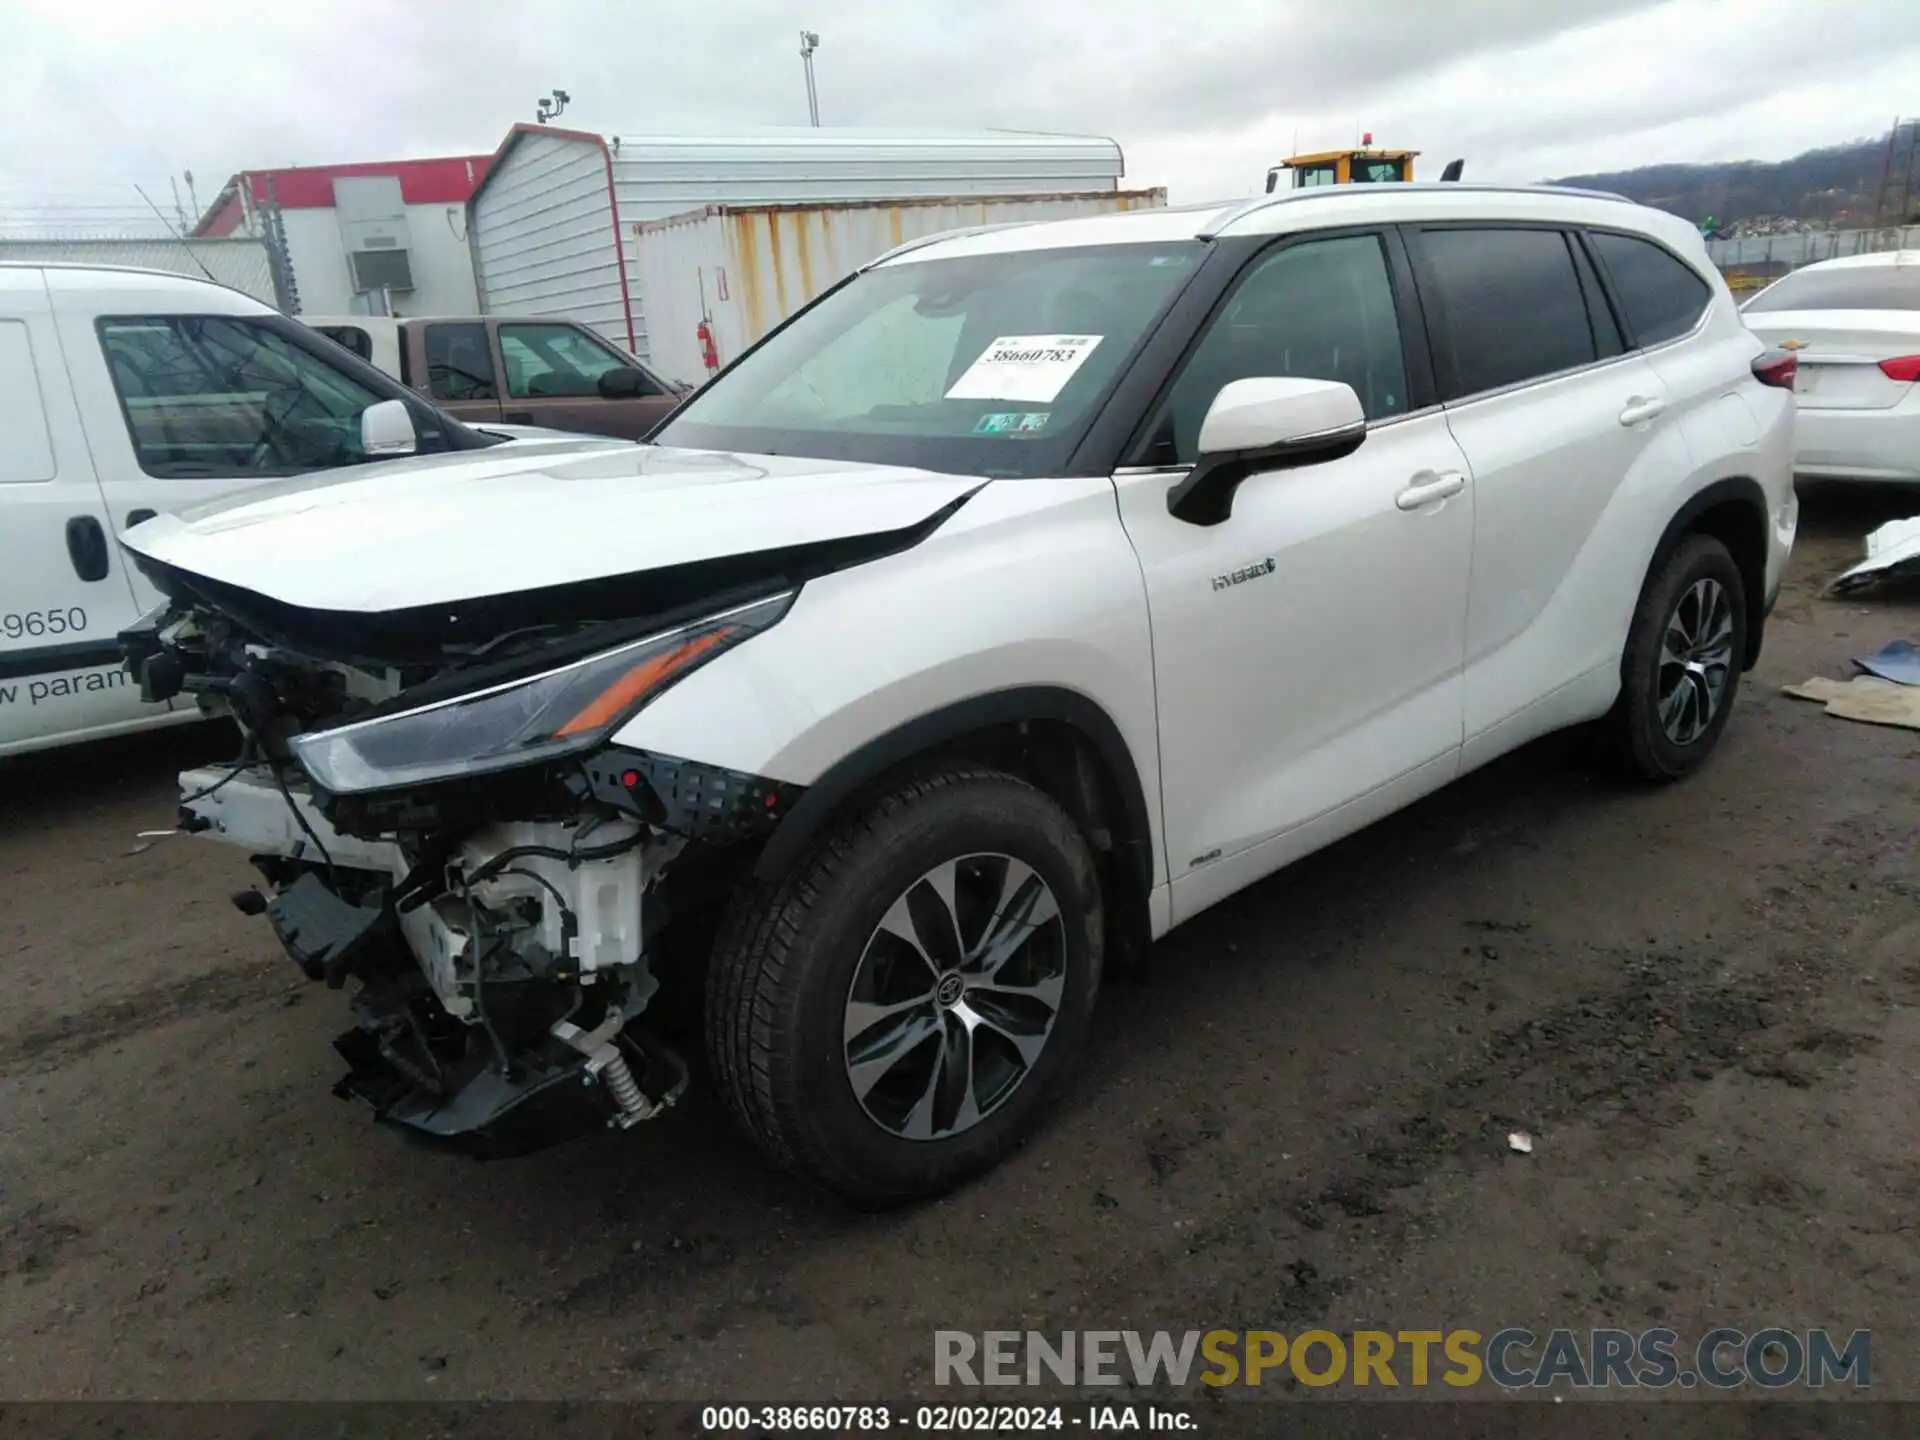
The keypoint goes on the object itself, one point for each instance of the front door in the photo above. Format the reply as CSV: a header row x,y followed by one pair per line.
x,y
1307,649
181,409
64,588
553,373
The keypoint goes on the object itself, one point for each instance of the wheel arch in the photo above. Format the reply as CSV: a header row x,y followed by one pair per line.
x,y
1734,511
1056,738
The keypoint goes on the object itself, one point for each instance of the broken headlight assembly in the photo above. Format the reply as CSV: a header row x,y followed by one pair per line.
x,y
522,722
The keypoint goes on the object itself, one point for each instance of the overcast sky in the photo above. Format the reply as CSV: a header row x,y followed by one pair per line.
x,y
103,94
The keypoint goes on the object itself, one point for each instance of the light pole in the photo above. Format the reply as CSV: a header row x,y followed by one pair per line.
x,y
809,42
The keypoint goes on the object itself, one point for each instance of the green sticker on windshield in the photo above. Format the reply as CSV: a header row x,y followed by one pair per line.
x,y
1012,422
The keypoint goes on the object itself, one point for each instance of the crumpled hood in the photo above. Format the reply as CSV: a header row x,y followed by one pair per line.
x,y
436,530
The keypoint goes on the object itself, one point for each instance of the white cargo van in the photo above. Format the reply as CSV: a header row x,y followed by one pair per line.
x,y
126,393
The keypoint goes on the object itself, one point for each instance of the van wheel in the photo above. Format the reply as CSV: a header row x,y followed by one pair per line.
x,y
896,1014
1682,665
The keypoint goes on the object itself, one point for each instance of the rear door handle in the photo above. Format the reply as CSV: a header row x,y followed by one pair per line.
x,y
1639,409
87,547
1429,487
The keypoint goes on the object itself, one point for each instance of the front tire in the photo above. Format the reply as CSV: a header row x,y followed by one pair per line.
x,y
897,1013
1681,670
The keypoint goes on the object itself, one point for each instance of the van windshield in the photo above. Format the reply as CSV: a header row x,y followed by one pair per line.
x,y
979,365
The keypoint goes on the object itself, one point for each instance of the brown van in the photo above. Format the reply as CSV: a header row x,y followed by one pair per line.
x,y
512,370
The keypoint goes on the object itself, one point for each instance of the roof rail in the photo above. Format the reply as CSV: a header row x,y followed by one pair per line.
x,y
1399,187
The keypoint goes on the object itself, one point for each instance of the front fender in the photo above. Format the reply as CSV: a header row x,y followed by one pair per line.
x,y
1030,589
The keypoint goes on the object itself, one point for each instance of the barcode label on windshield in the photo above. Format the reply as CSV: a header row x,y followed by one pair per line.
x,y
1024,367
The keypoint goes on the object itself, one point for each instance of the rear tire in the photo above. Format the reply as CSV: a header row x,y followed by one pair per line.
x,y
1681,669
898,1012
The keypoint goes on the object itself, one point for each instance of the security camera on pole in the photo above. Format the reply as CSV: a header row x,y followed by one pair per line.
x,y
809,42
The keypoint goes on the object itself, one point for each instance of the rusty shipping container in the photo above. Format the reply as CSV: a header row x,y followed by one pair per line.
x,y
551,225
745,268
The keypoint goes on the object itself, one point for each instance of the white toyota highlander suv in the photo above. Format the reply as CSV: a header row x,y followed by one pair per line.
x,y
1031,591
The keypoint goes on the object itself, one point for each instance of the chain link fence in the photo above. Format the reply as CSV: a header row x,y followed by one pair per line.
x,y
1756,261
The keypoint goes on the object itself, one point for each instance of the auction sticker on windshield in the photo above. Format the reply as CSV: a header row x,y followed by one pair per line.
x,y
1035,368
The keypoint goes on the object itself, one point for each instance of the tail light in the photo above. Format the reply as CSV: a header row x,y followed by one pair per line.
x,y
1777,368
1905,368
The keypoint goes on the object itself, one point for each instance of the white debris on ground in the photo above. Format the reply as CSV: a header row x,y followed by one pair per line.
x,y
1520,1141
1893,549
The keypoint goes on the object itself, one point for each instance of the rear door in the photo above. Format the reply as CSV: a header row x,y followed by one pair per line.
x,y
553,373
1556,418
461,373
64,589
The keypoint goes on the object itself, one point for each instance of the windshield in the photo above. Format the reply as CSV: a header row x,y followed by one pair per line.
x,y
1845,287
982,365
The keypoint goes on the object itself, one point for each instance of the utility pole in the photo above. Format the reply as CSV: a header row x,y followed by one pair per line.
x,y
809,42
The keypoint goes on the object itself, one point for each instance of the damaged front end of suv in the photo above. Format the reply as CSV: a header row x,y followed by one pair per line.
x,y
435,803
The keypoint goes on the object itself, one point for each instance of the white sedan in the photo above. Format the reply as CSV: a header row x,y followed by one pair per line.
x,y
1854,323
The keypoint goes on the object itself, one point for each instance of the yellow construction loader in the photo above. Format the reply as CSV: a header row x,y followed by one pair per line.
x,y
1363,165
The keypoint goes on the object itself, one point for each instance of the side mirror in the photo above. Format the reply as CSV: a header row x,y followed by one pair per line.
x,y
1265,423
623,382
1453,171
386,430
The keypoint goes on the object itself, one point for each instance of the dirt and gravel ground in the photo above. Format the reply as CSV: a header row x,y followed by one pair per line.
x,y
1704,1004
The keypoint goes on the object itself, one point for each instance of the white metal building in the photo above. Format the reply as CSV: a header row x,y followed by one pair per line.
x,y
552,223
745,268
372,237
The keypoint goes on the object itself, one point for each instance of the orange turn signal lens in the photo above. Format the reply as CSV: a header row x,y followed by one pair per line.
x,y
651,673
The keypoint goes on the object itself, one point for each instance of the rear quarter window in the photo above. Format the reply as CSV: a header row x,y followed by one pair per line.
x,y
1661,294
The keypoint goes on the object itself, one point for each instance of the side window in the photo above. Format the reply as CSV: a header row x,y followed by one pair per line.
x,y
219,395
459,364
1662,296
1512,305
26,449
352,337
544,361
1320,310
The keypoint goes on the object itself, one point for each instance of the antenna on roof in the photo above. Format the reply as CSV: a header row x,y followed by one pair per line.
x,y
192,254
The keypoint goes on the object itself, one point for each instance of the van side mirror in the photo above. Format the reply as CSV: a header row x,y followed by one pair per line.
x,y
1265,423
386,430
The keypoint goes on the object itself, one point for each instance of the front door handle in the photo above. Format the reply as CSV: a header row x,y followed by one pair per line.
x,y
87,547
1429,486
1640,409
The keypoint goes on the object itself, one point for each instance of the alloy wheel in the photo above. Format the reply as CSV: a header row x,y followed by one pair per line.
x,y
954,996
1696,659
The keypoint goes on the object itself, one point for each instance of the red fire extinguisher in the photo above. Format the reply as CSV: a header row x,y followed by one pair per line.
x,y
709,352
